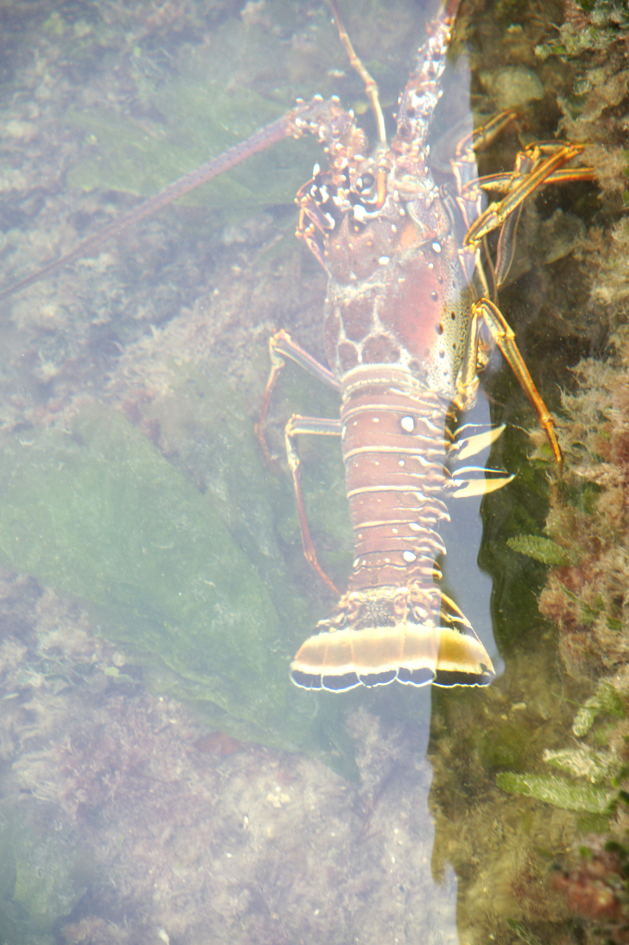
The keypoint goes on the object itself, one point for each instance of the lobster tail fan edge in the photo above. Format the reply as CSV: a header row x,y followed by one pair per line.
x,y
463,660
412,654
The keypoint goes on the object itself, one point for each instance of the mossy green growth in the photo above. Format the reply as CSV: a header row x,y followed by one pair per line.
x,y
608,20
606,700
505,746
542,549
99,513
523,933
601,768
558,792
585,762
38,881
211,104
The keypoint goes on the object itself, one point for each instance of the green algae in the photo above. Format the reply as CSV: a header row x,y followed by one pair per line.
x,y
541,549
99,513
523,934
558,792
606,21
135,157
585,762
208,436
208,106
606,700
505,746
39,880
602,769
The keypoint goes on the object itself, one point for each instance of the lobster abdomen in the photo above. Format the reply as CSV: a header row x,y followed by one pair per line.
x,y
393,622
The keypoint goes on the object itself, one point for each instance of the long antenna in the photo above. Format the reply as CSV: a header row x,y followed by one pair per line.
x,y
371,87
276,131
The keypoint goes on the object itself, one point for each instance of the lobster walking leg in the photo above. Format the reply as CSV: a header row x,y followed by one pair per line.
x,y
532,170
315,426
484,311
281,347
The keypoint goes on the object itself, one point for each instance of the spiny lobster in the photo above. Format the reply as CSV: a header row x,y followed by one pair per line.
x,y
410,320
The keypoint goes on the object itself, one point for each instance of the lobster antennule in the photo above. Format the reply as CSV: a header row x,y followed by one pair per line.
x,y
413,654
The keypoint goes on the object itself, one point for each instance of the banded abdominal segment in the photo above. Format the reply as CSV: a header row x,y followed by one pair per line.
x,y
393,622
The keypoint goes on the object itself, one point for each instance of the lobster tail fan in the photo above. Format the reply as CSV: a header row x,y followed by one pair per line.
x,y
413,654
342,659
463,660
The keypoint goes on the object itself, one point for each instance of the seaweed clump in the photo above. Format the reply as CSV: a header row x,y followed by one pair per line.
x,y
596,889
588,600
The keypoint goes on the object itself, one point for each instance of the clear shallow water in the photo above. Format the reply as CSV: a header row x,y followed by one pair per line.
x,y
131,479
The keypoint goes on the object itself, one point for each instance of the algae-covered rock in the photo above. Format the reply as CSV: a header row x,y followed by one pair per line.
x,y
558,792
505,745
219,97
39,881
588,600
606,699
99,513
584,762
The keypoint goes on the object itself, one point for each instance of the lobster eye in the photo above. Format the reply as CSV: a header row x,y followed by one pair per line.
x,y
365,182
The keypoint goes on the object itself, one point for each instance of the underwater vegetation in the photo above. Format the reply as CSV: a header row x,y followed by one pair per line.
x,y
597,888
162,829
588,598
163,556
585,596
585,542
530,779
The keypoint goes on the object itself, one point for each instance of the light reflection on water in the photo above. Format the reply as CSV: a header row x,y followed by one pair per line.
x,y
123,819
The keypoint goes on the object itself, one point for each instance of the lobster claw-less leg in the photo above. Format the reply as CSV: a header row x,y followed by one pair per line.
x,y
532,170
486,313
316,426
536,165
282,347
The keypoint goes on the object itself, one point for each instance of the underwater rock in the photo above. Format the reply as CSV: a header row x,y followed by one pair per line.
x,y
100,514
588,601
155,836
595,888
514,87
